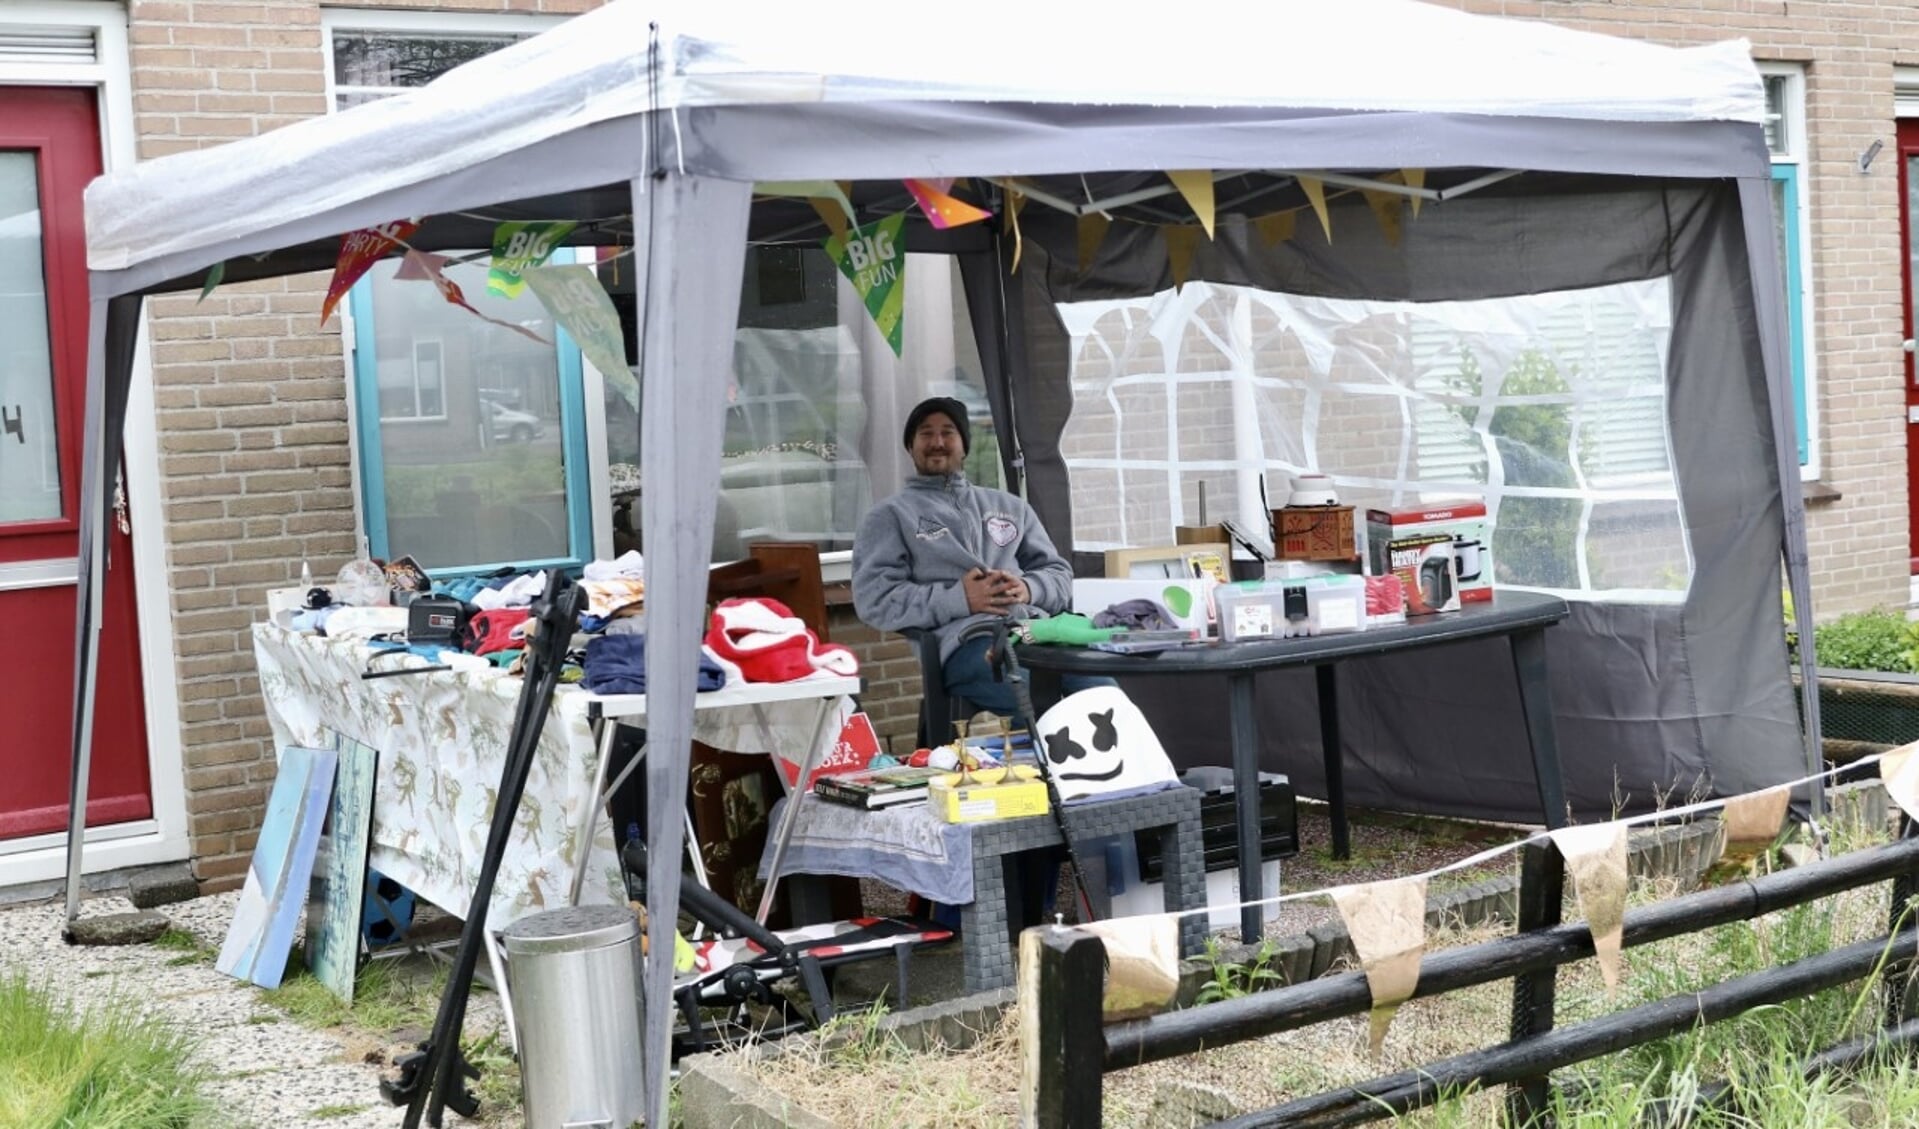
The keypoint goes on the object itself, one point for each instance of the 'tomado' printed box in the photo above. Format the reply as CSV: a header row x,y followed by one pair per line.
x,y
1407,527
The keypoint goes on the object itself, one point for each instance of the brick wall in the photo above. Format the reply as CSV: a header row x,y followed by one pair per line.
x,y
250,394
250,390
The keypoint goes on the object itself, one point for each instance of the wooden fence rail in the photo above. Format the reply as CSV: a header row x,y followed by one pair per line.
x,y
1066,1048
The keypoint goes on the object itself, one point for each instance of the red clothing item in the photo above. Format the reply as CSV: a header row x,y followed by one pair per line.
x,y
498,630
768,643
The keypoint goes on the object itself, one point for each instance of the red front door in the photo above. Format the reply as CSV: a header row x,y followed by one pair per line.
x,y
1908,269
49,149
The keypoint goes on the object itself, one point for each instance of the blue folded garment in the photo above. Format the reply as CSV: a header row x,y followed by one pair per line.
x,y
616,664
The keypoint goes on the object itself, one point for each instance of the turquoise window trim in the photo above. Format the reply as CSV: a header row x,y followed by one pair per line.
x,y
373,459
1788,178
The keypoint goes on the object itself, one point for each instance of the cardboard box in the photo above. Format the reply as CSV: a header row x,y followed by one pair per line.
x,y
976,803
1315,533
1171,562
1390,532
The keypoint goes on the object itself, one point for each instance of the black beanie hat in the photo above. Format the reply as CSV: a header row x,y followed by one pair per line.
x,y
947,406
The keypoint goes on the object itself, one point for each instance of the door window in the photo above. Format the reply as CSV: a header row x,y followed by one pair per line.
x,y
29,441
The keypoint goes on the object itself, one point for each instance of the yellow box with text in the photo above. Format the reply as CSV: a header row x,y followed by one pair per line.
x,y
988,797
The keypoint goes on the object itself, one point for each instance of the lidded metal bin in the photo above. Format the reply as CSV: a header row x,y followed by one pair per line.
x,y
573,975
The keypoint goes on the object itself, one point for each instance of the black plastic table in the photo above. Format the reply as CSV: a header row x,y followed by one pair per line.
x,y
1522,617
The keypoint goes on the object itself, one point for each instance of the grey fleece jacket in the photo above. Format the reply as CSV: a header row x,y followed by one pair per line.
x,y
914,547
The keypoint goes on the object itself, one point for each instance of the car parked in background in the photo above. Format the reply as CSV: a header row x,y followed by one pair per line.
x,y
510,425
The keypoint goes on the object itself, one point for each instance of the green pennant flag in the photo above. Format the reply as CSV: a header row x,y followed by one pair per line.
x,y
518,246
874,259
575,298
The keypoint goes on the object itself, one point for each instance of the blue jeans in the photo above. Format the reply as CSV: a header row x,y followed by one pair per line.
x,y
967,674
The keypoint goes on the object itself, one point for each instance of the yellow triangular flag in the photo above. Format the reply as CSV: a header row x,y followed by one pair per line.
x,y
1181,240
1142,964
1756,817
1899,772
1596,858
1092,232
1276,228
1414,178
1197,186
1751,824
1387,922
1014,202
1316,194
830,215
1385,206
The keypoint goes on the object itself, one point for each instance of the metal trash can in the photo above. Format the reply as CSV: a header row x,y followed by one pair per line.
x,y
573,975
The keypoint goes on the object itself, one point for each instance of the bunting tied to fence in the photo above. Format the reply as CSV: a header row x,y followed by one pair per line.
x,y
1899,772
1387,921
1596,859
1752,824
1142,964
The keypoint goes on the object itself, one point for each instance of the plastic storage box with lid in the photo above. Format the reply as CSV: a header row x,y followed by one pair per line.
x,y
1278,609
1131,864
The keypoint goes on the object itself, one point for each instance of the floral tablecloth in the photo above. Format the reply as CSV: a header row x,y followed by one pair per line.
x,y
442,741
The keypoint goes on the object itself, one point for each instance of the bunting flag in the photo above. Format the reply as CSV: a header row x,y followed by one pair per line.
x,y
1092,233
359,250
1315,191
518,246
943,211
1899,772
1414,178
1181,241
831,214
1752,823
1596,858
423,265
1142,964
1385,206
1014,202
579,305
873,258
1197,186
1387,922
1276,228
215,273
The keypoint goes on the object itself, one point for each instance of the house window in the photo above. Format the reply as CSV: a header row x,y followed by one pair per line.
x,y
471,436
1786,138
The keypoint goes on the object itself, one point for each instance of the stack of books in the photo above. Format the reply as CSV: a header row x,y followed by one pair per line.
x,y
880,788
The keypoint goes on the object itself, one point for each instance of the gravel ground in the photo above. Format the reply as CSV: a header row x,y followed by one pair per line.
x,y
268,1071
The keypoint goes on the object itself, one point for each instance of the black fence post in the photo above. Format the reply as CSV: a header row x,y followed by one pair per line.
x,y
1062,976
1898,984
1542,889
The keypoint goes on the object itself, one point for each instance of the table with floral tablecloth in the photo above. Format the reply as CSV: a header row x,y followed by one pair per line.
x,y
442,738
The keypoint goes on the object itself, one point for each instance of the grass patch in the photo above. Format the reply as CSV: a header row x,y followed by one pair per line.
x,y
180,940
330,1112
386,995
104,1068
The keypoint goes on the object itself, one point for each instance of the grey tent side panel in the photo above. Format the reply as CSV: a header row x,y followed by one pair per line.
x,y
1648,697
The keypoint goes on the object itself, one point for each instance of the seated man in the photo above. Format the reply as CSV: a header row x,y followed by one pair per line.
x,y
943,555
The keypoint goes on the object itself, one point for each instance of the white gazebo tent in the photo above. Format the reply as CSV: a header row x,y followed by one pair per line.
x,y
1633,161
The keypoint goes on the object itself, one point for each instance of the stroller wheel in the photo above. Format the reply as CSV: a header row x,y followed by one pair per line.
x,y
741,984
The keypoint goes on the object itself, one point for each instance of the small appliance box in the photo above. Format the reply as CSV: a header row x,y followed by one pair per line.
x,y
1402,541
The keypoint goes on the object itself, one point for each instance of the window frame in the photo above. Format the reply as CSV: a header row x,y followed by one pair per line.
x,y
1789,165
589,509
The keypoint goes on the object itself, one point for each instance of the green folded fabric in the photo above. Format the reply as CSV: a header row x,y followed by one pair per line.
x,y
1069,628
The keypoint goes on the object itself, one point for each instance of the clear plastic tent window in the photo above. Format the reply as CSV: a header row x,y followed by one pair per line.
x,y
1550,406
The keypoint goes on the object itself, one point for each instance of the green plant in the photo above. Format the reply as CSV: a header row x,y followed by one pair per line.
x,y
105,1068
1230,979
1880,639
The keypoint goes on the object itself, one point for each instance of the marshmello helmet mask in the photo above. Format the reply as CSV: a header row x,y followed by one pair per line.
x,y
1097,741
